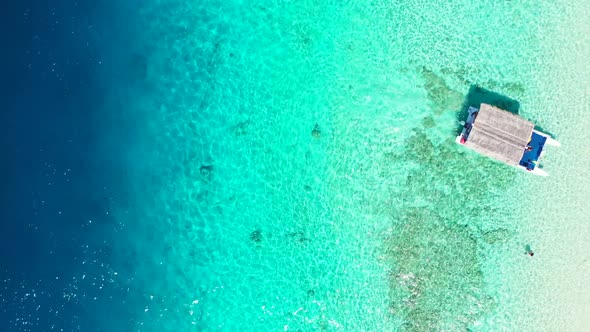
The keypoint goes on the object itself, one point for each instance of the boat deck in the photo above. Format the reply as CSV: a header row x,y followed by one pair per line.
x,y
530,157
472,113
506,137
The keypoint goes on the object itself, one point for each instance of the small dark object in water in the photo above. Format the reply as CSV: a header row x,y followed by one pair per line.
x,y
310,292
528,250
307,188
298,237
316,132
241,128
206,171
256,236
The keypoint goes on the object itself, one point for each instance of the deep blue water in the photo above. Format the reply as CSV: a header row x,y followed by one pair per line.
x,y
60,170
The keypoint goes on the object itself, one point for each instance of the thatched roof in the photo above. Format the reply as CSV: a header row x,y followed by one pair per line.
x,y
499,134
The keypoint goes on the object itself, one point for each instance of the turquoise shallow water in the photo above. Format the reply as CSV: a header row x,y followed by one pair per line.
x,y
298,169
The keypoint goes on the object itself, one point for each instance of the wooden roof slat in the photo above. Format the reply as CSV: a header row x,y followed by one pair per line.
x,y
499,134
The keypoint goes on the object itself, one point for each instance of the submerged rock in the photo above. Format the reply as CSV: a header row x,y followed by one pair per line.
x,y
298,237
497,235
437,275
428,122
206,172
241,128
316,132
439,93
256,236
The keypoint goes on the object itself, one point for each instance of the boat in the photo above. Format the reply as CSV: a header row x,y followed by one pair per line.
x,y
506,137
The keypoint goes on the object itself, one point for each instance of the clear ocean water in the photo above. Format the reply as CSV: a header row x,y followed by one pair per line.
x,y
290,166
